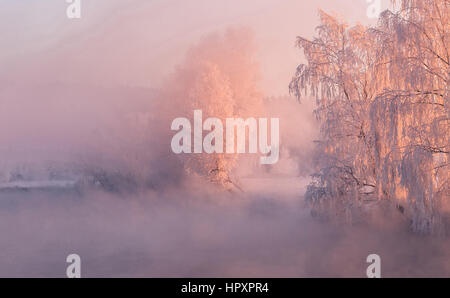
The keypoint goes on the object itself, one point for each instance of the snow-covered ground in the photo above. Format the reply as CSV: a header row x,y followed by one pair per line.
x,y
40,184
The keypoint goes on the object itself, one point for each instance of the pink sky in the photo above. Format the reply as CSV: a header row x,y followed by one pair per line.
x,y
138,42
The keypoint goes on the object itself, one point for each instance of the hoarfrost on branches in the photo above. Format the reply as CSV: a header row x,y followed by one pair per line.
x,y
382,101
218,77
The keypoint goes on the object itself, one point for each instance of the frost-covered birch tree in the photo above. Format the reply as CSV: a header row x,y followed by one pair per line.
x,y
338,75
219,77
382,101
411,115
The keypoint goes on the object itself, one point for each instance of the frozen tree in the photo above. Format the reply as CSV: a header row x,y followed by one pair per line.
x,y
219,77
338,75
410,116
382,101
212,93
